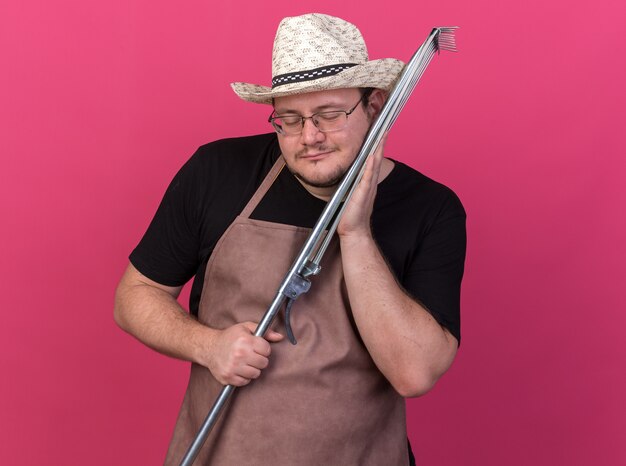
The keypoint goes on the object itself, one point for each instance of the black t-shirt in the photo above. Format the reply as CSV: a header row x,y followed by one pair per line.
x,y
418,223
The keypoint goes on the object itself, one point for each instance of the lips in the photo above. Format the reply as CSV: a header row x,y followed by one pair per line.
x,y
316,155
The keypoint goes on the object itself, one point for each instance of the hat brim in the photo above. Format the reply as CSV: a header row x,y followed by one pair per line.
x,y
380,74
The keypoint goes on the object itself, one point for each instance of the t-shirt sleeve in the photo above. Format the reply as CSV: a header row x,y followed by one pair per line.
x,y
168,251
435,273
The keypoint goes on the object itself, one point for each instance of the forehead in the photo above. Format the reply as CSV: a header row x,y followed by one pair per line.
x,y
315,101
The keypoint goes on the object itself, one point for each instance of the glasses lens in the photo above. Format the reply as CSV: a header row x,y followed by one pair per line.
x,y
330,121
288,124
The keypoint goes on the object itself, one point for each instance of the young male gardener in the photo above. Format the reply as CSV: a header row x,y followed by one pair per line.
x,y
381,321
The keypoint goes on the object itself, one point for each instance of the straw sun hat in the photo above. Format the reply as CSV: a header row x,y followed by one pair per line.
x,y
316,52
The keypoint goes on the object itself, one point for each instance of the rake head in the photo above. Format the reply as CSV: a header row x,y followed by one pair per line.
x,y
444,39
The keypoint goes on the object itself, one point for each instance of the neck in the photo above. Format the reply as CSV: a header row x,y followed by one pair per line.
x,y
323,193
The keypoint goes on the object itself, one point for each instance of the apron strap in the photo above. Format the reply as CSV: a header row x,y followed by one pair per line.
x,y
264,187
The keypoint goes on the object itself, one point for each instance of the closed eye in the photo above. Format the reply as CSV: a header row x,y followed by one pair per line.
x,y
329,116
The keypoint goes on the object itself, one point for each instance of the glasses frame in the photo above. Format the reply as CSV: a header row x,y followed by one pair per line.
x,y
279,129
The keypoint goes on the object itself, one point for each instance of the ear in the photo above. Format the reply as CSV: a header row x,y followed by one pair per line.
x,y
375,102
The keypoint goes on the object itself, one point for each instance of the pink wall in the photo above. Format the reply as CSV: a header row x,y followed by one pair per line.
x,y
99,105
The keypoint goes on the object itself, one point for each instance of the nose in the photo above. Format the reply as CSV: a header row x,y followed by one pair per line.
x,y
310,134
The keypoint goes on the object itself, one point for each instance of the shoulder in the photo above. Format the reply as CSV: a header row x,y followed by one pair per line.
x,y
241,145
228,162
416,192
235,153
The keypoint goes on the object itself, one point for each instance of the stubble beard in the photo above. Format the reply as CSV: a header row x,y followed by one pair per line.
x,y
330,181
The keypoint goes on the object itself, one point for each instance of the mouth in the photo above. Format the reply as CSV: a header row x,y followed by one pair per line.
x,y
316,155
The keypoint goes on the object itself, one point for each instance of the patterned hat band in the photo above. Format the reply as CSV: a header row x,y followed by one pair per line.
x,y
309,75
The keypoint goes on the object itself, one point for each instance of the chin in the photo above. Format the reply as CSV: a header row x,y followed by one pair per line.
x,y
329,183
328,180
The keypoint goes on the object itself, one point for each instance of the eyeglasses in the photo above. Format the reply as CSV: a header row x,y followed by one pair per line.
x,y
326,122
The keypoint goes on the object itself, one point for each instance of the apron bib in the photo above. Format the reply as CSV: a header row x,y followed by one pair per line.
x,y
320,402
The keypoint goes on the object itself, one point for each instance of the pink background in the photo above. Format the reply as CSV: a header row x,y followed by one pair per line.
x,y
100,103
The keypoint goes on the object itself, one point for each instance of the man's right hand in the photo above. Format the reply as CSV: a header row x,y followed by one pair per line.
x,y
237,356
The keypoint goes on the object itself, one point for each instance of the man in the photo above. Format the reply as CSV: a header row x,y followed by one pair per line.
x,y
381,321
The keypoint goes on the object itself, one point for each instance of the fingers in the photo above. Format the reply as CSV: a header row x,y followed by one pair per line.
x,y
374,162
356,218
249,373
238,356
366,190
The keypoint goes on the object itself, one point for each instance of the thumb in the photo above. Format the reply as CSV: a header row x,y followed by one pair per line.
x,y
270,335
273,336
250,326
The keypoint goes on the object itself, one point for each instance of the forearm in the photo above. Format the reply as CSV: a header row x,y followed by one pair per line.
x,y
407,344
149,311
155,318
